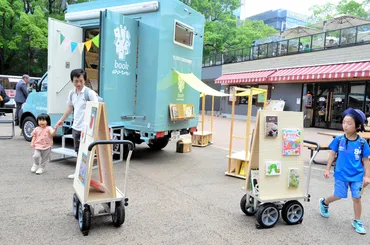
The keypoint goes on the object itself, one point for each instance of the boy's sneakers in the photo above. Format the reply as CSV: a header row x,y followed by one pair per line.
x,y
324,209
359,227
40,171
34,168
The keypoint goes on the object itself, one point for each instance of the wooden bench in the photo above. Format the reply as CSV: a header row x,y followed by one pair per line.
x,y
312,148
7,121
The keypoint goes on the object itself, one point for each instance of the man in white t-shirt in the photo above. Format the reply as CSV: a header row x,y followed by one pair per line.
x,y
77,103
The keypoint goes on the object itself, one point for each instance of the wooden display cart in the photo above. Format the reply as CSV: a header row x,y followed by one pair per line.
x,y
98,197
204,138
274,177
237,160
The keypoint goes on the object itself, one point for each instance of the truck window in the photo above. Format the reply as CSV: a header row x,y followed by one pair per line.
x,y
183,35
44,85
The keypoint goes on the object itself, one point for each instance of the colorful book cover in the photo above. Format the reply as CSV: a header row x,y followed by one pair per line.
x,y
92,121
272,126
293,178
242,166
291,142
83,169
273,168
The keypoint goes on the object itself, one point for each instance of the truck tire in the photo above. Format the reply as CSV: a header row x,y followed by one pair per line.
x,y
28,125
158,144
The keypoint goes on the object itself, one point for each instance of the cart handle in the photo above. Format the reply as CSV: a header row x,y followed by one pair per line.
x,y
109,142
313,143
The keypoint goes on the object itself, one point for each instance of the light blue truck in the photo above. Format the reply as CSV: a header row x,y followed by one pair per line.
x,y
131,64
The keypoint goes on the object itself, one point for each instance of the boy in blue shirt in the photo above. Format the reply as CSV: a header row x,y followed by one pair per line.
x,y
352,160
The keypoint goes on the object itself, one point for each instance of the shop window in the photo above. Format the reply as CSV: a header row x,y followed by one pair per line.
x,y
183,35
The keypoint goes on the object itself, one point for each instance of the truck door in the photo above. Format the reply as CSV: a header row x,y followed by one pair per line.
x,y
61,61
118,52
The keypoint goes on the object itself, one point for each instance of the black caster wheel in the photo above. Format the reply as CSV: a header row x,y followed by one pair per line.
x,y
292,212
118,217
84,219
247,207
76,204
267,215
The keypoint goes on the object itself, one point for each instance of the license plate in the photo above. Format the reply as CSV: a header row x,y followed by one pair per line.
x,y
175,135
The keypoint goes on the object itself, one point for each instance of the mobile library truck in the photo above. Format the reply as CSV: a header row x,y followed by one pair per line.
x,y
143,58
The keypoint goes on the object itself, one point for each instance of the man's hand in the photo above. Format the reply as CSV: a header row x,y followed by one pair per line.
x,y
59,124
327,174
32,145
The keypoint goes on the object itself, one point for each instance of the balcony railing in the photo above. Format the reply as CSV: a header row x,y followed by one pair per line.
x,y
340,38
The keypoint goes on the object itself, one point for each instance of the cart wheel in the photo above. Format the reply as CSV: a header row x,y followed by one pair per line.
x,y
76,205
119,215
84,219
292,212
247,208
267,215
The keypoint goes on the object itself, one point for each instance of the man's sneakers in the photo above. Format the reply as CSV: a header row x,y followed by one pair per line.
x,y
71,176
40,170
34,168
359,227
324,209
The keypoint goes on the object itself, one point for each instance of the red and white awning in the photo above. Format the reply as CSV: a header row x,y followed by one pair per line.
x,y
324,72
245,77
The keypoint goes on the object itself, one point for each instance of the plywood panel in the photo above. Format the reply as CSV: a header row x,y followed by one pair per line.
x,y
271,149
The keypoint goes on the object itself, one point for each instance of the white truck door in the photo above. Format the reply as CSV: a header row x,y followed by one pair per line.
x,y
61,61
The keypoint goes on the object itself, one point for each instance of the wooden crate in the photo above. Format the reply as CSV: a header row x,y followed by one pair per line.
x,y
202,138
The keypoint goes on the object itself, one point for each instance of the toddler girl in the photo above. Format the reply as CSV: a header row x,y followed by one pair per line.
x,y
42,141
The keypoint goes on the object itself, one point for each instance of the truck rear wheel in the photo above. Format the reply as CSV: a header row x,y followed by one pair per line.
x,y
28,125
158,144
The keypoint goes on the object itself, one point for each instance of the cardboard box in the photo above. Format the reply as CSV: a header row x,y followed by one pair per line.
x,y
183,147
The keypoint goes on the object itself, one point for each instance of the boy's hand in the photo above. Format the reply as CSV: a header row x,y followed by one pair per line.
x,y
366,181
32,145
327,174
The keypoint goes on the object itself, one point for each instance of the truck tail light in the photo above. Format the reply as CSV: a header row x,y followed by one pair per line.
x,y
159,135
192,130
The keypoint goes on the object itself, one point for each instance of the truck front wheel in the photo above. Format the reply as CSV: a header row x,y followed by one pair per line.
x,y
28,125
158,144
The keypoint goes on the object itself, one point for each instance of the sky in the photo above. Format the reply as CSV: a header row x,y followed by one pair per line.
x,y
253,7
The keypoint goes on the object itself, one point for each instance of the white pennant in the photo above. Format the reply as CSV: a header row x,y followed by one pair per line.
x,y
81,47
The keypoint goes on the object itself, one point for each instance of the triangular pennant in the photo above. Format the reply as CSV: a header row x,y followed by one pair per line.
x,y
73,46
88,45
81,47
62,37
67,43
95,40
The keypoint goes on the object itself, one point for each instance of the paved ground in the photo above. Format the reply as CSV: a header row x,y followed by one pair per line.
x,y
174,199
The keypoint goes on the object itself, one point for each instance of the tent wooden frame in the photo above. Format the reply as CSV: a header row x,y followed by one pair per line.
x,y
236,161
204,138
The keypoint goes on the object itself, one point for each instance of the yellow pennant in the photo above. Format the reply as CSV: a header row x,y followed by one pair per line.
x,y
88,45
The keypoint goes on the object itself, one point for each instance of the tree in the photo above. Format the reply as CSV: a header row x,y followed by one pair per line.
x,y
221,32
329,10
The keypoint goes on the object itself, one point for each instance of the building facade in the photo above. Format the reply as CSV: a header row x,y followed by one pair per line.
x,y
281,19
322,82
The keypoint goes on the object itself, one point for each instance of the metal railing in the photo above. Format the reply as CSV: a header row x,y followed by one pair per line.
x,y
356,35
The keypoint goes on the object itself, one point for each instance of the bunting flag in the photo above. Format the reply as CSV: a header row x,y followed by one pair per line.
x,y
62,37
88,45
73,46
81,47
69,45
95,40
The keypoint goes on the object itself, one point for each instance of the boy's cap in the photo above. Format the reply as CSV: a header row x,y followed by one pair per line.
x,y
357,114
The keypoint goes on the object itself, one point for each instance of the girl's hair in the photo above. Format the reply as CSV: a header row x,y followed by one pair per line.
x,y
45,117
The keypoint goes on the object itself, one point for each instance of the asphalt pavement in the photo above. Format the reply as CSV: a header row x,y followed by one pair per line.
x,y
174,198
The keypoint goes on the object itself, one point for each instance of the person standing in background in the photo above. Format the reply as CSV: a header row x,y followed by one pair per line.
x,y
21,94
